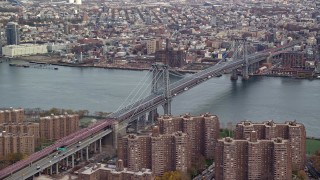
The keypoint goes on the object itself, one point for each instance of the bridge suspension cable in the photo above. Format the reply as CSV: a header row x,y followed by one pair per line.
x,y
142,80
140,102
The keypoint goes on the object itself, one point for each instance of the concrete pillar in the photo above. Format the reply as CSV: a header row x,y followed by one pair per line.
x,y
234,75
51,170
115,127
95,146
67,161
87,153
72,160
81,155
57,168
245,72
100,145
152,116
141,122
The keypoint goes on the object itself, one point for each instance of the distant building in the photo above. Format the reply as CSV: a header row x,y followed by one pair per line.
x,y
12,33
24,49
292,131
293,60
153,46
102,171
173,58
161,153
253,159
203,132
56,127
12,143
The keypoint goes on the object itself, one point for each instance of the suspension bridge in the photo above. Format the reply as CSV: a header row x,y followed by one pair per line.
x,y
162,93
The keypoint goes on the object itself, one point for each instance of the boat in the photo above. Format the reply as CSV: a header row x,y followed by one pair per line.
x,y
55,68
11,64
25,66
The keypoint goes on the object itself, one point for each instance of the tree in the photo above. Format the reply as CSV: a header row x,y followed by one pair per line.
x,y
15,157
173,175
316,160
302,175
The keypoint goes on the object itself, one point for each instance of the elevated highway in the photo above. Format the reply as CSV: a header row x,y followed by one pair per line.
x,y
41,160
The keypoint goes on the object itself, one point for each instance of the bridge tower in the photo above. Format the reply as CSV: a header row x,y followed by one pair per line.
x,y
240,52
237,50
160,71
245,69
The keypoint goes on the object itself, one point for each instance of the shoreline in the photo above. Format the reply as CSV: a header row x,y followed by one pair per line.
x,y
138,69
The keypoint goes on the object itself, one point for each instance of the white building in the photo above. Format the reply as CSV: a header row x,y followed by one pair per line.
x,y
24,49
78,2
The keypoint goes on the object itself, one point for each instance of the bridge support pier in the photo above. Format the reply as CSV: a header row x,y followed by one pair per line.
x,y
115,128
51,170
245,73
72,158
152,116
67,161
100,145
141,122
234,75
57,168
87,153
167,107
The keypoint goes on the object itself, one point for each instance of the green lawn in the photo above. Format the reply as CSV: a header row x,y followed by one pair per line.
x,y
225,133
312,146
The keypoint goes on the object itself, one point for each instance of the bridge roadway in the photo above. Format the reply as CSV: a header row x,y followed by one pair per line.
x,y
128,114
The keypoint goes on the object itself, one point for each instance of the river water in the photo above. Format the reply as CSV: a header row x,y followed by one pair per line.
x,y
260,98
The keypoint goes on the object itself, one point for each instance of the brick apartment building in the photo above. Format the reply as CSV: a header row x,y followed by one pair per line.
x,y
28,128
253,159
12,143
292,131
101,171
203,132
159,152
55,127
173,145
12,116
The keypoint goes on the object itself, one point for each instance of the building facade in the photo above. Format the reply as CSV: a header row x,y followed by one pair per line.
x,y
24,49
56,127
12,115
159,152
253,159
30,129
12,33
292,131
12,143
203,132
153,46
173,58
